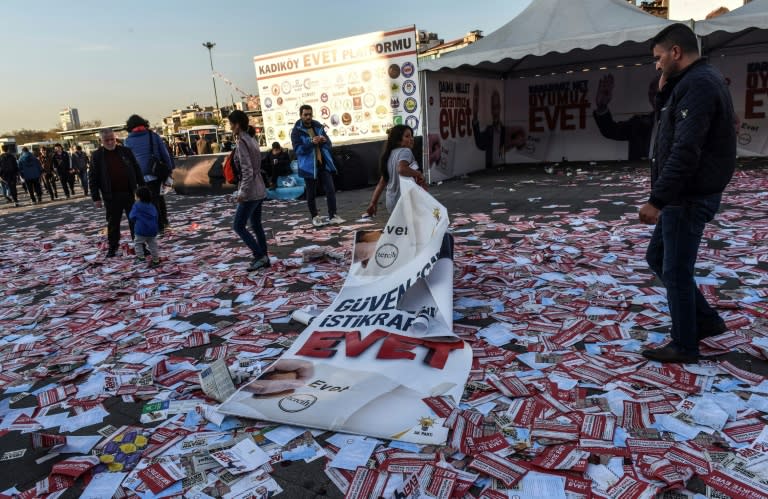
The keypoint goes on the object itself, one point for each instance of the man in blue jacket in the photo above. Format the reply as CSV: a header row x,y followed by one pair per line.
x,y
692,160
313,152
30,170
146,144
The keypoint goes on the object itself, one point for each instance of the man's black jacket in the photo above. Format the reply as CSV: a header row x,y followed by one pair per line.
x,y
695,149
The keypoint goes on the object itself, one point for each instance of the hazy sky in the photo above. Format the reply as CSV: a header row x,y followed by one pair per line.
x,y
110,60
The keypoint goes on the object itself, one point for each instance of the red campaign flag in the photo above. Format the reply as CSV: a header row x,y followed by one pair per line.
x,y
74,466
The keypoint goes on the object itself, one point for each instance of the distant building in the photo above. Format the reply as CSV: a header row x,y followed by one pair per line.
x,y
684,10
181,117
435,51
69,119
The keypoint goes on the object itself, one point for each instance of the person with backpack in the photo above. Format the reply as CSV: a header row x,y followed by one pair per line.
x,y
148,148
250,193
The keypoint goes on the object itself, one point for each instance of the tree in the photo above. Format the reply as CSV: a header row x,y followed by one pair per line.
x,y
91,124
24,135
201,121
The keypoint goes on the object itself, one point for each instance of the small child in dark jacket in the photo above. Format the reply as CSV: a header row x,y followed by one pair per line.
x,y
145,226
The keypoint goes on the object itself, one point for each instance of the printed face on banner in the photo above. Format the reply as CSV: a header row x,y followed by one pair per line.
x,y
359,87
386,343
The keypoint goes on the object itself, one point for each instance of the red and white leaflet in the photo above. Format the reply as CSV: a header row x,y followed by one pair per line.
x,y
511,386
578,488
442,406
407,462
735,485
52,484
704,412
508,472
46,440
415,486
490,493
544,428
636,415
160,476
598,427
54,395
366,483
745,430
562,457
671,473
692,455
443,483
491,443
573,332
746,376
647,446
243,457
629,488
464,482
523,412
74,466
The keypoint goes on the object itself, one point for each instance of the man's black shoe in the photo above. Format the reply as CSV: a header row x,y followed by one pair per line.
x,y
711,328
670,354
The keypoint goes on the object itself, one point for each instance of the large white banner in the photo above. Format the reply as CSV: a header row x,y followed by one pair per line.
x,y
386,343
358,87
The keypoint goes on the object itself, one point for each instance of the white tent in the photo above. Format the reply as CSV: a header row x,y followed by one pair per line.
x,y
559,34
739,30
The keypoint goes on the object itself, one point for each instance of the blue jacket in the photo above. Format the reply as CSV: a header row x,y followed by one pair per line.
x,y
29,166
144,218
138,143
305,149
694,154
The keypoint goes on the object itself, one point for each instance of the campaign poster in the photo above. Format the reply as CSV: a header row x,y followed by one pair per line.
x,y
747,79
556,115
358,87
375,360
466,124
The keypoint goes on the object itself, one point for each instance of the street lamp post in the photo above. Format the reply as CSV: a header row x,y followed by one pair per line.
x,y
209,46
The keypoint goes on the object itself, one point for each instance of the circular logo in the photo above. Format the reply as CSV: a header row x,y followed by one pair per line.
x,y
409,87
408,69
325,112
412,121
393,71
268,102
286,87
386,255
744,139
275,89
324,97
296,402
409,104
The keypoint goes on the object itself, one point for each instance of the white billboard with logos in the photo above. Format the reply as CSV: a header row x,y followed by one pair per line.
x,y
358,87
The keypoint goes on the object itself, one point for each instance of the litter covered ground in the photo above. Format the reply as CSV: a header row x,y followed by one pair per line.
x,y
104,360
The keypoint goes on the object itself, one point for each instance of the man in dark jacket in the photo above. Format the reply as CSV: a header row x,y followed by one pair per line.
x,y
80,164
31,170
276,164
114,177
692,161
9,173
63,167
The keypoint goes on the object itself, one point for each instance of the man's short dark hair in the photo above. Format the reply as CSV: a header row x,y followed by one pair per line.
x,y
677,34
5,147
57,145
25,149
303,107
143,194
276,145
78,148
135,121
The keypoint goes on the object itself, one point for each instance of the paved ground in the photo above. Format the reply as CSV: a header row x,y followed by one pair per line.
x,y
481,205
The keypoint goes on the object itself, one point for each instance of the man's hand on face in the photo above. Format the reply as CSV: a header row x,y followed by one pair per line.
x,y
649,214
604,92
